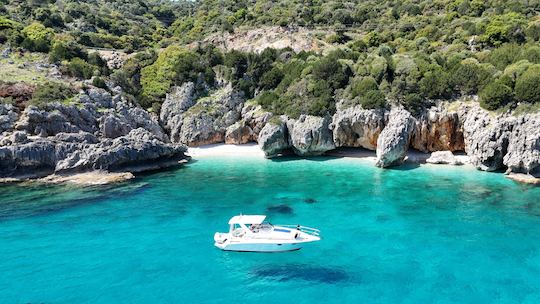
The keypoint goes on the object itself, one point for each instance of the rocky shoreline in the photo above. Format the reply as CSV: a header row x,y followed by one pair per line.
x,y
492,141
94,132
100,131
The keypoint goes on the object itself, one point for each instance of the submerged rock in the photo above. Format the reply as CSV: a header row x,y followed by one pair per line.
x,y
394,140
310,135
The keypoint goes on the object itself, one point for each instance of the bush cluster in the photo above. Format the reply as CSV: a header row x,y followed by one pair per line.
x,y
51,92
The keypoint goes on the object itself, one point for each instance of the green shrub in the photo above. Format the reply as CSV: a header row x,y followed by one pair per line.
x,y
9,30
80,68
99,82
435,84
271,79
532,54
373,99
174,65
65,50
469,77
505,28
268,100
413,102
238,61
51,92
331,71
37,37
505,55
363,86
96,60
495,95
528,85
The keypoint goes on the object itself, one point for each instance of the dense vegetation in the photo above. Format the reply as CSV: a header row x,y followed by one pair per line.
x,y
406,52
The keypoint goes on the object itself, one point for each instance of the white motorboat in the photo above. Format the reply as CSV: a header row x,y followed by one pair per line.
x,y
252,233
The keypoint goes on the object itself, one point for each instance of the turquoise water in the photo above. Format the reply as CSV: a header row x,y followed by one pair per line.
x,y
414,235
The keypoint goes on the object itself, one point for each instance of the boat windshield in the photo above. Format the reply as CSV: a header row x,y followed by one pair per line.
x,y
264,226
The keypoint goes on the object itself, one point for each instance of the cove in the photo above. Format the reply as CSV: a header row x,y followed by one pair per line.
x,y
407,235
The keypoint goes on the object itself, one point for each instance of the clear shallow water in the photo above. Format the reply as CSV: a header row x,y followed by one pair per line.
x,y
428,235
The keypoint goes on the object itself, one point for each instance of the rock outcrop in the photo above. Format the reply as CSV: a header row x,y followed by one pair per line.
x,y
204,121
8,117
310,135
139,145
256,118
486,137
438,129
179,100
238,133
393,143
93,131
523,151
443,157
357,127
273,138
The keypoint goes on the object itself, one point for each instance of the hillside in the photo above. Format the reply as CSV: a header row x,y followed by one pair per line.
x,y
403,52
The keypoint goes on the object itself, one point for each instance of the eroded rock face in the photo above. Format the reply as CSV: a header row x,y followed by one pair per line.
x,y
438,129
207,121
486,137
94,131
39,156
273,138
393,143
8,117
256,118
523,152
112,126
179,100
357,127
138,146
238,133
310,135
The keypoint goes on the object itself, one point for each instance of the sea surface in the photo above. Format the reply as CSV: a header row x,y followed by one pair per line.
x,y
428,234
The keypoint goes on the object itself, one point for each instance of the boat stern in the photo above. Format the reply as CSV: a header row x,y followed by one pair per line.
x,y
221,240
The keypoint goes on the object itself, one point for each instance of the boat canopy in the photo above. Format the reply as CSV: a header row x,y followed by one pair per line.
x,y
247,219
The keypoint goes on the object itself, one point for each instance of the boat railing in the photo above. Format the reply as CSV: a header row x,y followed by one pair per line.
x,y
308,230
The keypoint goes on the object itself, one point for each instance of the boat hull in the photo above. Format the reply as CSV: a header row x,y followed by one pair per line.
x,y
259,247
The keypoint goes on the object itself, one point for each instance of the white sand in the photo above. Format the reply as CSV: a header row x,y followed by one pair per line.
x,y
253,150
247,150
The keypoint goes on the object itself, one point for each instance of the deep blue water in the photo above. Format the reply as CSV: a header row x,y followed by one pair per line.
x,y
411,235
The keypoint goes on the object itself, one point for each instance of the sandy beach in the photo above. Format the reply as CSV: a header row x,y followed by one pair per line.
x,y
246,150
253,150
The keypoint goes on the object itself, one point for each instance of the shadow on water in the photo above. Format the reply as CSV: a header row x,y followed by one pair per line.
x,y
406,166
281,209
310,200
291,272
